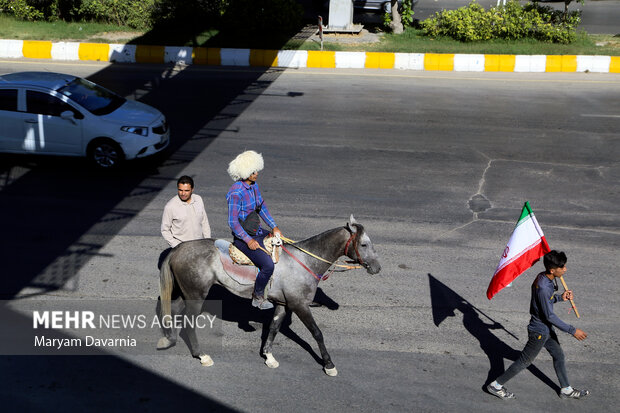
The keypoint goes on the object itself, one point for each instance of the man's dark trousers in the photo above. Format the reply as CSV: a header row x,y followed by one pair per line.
x,y
261,259
535,343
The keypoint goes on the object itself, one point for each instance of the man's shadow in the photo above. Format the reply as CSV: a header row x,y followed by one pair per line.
x,y
445,301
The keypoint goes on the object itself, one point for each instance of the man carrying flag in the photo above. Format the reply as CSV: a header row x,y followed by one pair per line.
x,y
523,250
540,330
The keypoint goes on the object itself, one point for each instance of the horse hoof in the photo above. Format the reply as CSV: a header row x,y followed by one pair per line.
x,y
331,372
271,362
165,343
205,360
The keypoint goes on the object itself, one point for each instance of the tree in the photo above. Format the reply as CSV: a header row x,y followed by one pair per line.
x,y
566,3
396,24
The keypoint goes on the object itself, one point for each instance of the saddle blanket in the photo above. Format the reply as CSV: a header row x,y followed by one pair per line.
x,y
243,274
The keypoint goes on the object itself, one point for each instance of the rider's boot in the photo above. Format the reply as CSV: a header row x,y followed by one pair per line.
x,y
259,300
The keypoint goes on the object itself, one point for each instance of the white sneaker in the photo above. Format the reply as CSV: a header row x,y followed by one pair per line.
x,y
501,393
575,394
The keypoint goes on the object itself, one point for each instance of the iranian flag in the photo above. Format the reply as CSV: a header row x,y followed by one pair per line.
x,y
527,244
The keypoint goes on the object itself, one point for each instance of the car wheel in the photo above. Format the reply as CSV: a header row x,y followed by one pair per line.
x,y
105,154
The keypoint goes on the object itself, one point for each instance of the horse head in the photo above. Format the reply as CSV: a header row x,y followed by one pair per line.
x,y
359,247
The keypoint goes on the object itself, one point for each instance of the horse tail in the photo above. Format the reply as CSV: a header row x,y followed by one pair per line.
x,y
166,284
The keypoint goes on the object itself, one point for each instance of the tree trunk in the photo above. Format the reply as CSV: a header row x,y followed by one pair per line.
x,y
566,3
397,24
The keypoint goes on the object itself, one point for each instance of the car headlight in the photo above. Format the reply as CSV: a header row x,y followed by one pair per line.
x,y
138,130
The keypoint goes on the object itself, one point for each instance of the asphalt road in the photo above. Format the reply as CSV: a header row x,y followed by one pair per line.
x,y
435,165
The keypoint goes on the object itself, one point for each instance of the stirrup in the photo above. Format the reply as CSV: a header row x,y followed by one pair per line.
x,y
261,302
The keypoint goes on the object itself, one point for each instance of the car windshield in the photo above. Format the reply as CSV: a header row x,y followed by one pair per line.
x,y
94,98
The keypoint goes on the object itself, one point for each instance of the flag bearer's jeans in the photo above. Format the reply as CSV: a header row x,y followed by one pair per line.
x,y
535,343
262,260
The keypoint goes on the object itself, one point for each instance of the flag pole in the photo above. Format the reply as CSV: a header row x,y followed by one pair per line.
x,y
571,301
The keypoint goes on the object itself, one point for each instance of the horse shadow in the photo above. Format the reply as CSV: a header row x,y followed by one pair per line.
x,y
445,302
239,310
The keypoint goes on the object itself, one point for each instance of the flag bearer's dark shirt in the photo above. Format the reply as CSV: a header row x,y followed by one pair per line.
x,y
541,308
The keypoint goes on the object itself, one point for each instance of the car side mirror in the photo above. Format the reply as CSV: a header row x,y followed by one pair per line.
x,y
68,115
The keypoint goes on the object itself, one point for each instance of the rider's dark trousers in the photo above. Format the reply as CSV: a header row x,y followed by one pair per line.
x,y
535,343
261,259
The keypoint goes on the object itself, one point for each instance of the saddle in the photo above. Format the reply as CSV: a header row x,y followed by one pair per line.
x,y
270,242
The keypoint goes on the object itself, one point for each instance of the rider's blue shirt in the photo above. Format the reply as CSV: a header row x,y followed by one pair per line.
x,y
242,200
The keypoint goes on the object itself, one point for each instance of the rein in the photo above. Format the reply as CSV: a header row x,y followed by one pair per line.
x,y
335,264
318,278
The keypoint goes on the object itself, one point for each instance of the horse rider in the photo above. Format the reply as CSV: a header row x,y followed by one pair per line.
x,y
245,206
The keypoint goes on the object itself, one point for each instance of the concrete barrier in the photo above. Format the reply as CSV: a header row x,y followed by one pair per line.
x,y
129,53
599,64
408,61
12,49
35,49
469,63
178,55
350,60
94,51
293,58
235,57
122,53
65,51
532,64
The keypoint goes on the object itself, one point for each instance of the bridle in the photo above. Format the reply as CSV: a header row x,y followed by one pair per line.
x,y
352,239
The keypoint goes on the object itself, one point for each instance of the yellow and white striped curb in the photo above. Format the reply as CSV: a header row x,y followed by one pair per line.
x,y
130,53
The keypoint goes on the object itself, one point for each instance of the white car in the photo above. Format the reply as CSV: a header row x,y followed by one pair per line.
x,y
375,6
57,114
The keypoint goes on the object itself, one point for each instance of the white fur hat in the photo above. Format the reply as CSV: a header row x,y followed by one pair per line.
x,y
244,165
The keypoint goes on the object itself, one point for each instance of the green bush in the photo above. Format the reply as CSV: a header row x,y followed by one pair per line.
x,y
132,13
244,16
509,22
48,8
175,12
34,10
22,10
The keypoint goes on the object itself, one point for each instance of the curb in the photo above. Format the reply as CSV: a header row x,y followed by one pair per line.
x,y
130,53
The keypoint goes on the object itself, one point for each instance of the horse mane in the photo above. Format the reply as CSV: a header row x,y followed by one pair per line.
x,y
322,235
